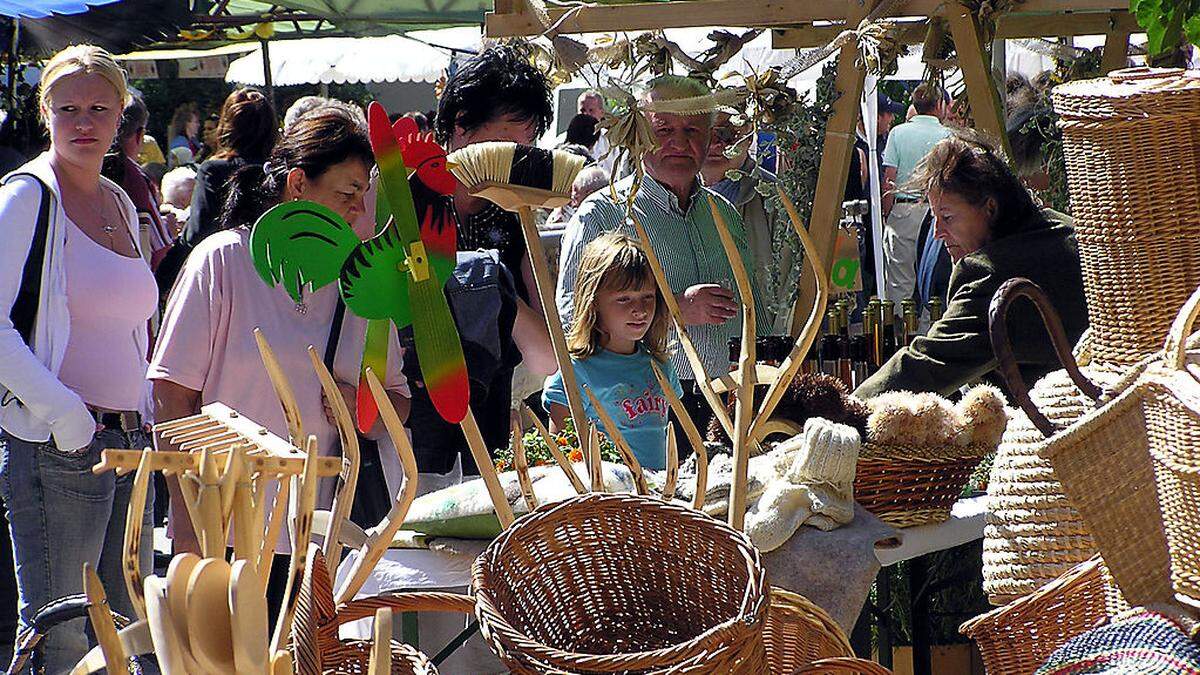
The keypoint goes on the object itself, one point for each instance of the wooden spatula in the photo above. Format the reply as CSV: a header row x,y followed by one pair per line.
x,y
208,621
248,614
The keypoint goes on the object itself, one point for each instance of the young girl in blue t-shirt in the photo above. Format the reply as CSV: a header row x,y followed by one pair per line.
x,y
618,327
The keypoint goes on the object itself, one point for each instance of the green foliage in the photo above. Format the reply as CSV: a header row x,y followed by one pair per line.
x,y
800,137
1166,21
537,454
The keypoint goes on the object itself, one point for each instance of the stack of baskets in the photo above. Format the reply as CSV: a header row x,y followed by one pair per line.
x,y
1132,148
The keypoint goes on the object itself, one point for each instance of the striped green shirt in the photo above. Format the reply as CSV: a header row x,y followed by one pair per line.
x,y
687,244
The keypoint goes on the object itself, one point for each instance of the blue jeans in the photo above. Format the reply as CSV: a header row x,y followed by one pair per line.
x,y
62,515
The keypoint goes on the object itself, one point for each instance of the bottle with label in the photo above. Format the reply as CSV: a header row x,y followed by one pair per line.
x,y
829,342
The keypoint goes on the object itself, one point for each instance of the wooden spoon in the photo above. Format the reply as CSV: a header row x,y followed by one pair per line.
x,y
163,632
248,612
179,572
208,620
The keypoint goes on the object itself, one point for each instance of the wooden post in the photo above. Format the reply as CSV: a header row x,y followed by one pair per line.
x,y
1116,51
986,108
835,166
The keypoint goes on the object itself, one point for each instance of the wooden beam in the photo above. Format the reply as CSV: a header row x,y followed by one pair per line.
x,y
1009,27
986,107
1116,50
835,166
748,13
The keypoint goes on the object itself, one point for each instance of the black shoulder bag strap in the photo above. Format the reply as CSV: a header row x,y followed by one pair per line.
x,y
25,306
371,498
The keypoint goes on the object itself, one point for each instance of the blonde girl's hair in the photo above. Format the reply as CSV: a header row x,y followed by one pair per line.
x,y
81,59
613,262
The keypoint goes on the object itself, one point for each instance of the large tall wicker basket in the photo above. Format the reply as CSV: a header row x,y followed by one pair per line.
x,y
621,583
1132,147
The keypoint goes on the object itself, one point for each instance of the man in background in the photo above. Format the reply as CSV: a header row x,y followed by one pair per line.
x,y
903,210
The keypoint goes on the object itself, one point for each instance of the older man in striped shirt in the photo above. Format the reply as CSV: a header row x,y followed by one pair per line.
x,y
672,204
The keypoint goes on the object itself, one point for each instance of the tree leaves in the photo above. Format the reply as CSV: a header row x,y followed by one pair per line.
x,y
1165,21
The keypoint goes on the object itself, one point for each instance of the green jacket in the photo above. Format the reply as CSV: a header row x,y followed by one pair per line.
x,y
957,350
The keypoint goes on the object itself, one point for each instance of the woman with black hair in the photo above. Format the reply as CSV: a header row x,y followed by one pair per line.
x,y
496,96
994,231
582,131
206,350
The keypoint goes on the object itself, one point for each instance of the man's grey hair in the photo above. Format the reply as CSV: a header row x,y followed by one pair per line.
x,y
591,93
177,186
590,179
302,106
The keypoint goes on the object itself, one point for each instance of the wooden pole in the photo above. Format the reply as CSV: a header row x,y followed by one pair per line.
x,y
1116,51
835,165
987,111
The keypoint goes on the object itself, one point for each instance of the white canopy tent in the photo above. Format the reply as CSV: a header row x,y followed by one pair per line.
x,y
391,58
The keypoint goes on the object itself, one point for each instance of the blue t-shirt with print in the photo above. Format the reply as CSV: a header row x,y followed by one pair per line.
x,y
625,385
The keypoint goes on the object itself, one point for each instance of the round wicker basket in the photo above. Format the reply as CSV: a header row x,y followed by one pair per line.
x,y
621,583
906,486
1132,147
1033,534
798,632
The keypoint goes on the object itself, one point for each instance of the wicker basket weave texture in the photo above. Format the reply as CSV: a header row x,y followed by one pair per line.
x,y
316,646
615,583
1173,424
1132,151
906,486
799,632
1105,467
1017,638
1033,534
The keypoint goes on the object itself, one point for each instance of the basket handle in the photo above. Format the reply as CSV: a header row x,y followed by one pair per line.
x,y
1174,352
998,329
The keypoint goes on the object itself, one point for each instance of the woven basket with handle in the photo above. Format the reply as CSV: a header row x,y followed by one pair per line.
x,y
316,647
906,486
1015,639
621,583
1131,142
1033,533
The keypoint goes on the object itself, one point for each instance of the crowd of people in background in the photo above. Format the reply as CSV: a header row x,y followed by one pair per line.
x,y
128,295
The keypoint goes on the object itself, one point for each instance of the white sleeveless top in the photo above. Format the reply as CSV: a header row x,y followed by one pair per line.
x,y
109,296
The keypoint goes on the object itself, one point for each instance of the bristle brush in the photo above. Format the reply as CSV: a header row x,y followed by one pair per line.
x,y
521,178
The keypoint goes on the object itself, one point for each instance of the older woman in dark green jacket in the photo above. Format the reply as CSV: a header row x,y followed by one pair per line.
x,y
994,232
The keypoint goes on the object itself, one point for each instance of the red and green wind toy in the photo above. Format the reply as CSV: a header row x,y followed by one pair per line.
x,y
396,276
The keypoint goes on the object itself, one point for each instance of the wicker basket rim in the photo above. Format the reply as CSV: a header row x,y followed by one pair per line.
x,y
752,610
1065,439
899,452
1051,589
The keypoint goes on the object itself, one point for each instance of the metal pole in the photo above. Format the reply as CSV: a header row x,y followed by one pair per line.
x,y
266,59
12,66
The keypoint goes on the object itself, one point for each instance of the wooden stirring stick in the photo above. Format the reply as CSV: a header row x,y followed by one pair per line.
x,y
380,536
791,365
301,532
131,563
487,469
351,460
102,622
692,433
685,340
521,465
381,648
744,405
